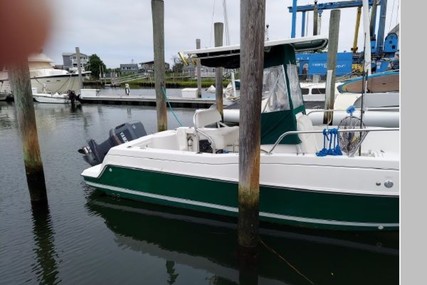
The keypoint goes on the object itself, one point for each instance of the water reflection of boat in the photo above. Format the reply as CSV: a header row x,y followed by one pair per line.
x,y
210,244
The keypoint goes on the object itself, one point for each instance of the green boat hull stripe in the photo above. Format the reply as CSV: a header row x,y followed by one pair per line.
x,y
235,210
161,197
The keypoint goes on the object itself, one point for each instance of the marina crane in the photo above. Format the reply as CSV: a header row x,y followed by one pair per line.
x,y
377,40
380,47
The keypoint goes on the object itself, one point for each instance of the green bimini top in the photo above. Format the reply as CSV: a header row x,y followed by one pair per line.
x,y
281,94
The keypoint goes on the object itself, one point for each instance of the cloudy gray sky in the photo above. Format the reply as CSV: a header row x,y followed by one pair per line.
x,y
121,31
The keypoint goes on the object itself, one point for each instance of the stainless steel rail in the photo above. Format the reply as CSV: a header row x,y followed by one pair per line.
x,y
282,136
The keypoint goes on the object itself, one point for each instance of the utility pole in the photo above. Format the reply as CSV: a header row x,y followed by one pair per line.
x,y
157,7
219,35
19,75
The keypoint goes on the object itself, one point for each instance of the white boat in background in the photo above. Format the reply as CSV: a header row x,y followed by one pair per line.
x,y
313,91
51,98
380,110
380,82
45,78
351,183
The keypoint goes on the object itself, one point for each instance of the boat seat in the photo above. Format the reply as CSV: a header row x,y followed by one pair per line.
x,y
207,124
164,140
309,142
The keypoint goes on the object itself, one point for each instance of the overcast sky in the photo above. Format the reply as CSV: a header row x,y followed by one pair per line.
x,y
121,31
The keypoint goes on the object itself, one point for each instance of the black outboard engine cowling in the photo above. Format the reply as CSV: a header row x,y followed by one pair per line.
x,y
94,153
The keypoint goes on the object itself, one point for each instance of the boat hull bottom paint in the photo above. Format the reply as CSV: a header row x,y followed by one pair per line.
x,y
293,207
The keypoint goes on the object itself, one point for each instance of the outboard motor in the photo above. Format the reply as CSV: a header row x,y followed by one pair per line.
x,y
94,153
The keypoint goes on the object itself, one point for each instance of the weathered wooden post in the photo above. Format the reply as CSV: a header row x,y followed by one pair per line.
x,y
79,69
252,23
219,35
334,27
157,7
199,76
315,19
19,75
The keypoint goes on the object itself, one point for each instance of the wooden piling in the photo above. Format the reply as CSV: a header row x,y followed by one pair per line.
x,y
79,69
334,28
19,76
198,70
219,35
157,7
252,23
315,19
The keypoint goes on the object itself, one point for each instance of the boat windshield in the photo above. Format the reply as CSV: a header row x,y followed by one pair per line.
x,y
275,90
296,94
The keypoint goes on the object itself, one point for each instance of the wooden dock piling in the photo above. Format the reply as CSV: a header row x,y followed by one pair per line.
x,y
79,69
199,70
315,19
19,75
158,15
219,35
252,22
334,27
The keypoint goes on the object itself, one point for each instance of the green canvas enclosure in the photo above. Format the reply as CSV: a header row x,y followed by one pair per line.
x,y
281,89
273,124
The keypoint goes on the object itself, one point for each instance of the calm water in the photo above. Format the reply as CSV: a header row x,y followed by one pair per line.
x,y
88,238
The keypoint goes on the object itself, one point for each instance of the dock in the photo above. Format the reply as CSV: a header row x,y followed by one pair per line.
x,y
89,96
175,102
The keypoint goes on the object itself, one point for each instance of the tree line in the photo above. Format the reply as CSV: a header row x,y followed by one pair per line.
x,y
96,66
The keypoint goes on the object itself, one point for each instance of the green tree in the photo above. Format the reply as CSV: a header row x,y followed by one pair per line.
x,y
95,64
